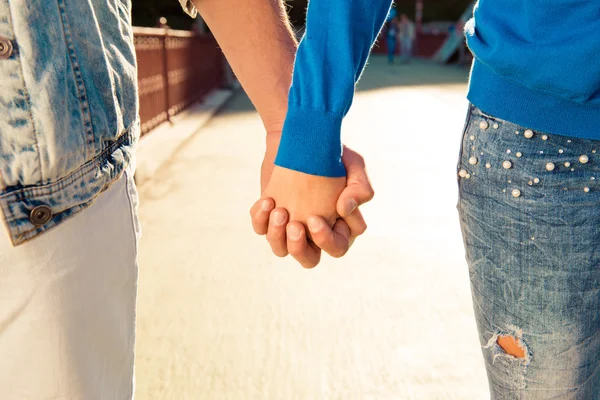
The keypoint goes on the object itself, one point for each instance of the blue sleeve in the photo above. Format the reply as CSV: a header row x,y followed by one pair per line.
x,y
331,56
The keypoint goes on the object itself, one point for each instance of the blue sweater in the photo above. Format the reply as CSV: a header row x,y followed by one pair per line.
x,y
537,64
331,56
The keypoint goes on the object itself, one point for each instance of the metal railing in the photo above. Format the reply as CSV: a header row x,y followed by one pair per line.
x,y
175,70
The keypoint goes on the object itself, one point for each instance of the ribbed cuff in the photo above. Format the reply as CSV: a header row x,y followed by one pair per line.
x,y
311,143
544,112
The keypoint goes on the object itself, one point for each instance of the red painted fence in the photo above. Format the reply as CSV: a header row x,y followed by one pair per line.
x,y
175,70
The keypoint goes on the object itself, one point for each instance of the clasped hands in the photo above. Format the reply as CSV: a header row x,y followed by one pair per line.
x,y
292,201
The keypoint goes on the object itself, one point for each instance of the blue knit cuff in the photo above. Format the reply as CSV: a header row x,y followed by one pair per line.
x,y
311,143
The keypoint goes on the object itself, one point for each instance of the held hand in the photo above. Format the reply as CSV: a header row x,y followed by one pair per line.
x,y
336,241
303,195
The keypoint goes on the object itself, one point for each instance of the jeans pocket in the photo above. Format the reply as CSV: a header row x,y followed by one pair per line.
x,y
463,141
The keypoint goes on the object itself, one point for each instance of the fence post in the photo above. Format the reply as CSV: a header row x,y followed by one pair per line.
x,y
166,72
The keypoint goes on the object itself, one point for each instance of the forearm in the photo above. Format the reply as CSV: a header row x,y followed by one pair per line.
x,y
260,46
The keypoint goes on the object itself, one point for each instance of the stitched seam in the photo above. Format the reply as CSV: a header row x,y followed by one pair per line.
x,y
81,91
25,236
8,218
131,210
69,179
28,98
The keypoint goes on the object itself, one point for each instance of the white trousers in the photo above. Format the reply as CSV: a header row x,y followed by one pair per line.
x,y
67,305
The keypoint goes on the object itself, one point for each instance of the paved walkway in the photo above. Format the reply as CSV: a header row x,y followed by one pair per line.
x,y
220,318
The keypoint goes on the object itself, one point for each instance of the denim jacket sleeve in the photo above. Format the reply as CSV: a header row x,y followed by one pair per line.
x,y
69,109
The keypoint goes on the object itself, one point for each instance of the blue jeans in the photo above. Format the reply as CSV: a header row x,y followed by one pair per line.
x,y
529,206
391,48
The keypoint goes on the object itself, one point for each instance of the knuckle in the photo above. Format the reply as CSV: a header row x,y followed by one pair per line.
x,y
359,158
338,253
297,252
260,217
280,253
370,193
308,264
259,228
361,228
319,239
254,209
274,235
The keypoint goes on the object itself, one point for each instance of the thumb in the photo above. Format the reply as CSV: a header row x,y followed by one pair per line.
x,y
358,190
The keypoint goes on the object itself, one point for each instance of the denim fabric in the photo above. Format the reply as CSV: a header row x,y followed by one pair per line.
x,y
532,240
69,102
391,47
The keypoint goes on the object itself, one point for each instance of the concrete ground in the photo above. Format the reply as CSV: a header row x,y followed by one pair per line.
x,y
221,318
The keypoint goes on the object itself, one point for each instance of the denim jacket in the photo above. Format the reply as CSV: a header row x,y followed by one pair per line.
x,y
69,102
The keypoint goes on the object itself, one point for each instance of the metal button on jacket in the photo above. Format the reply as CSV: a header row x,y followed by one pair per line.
x,y
6,48
40,215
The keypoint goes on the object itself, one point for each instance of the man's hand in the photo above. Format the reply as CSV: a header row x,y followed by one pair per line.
x,y
266,219
303,195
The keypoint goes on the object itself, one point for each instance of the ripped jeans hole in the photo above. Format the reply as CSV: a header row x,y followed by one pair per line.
x,y
512,346
509,343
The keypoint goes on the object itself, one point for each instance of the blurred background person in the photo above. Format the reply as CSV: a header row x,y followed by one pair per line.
x,y
392,38
407,37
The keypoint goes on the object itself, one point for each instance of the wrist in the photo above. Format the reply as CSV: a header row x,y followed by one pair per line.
x,y
311,143
274,119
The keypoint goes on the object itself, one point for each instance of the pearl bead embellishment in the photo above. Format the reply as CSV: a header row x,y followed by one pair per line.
x,y
528,134
550,166
583,159
519,154
567,164
462,173
473,160
488,165
506,164
544,137
586,189
496,126
516,193
536,180
483,125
